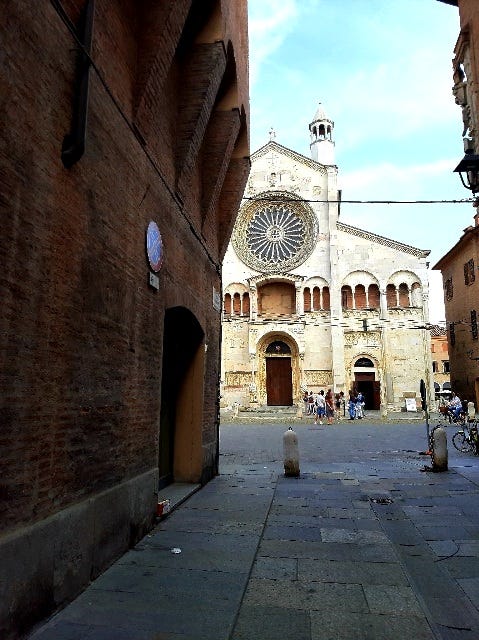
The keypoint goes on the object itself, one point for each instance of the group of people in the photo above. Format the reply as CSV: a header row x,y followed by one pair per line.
x,y
327,406
356,405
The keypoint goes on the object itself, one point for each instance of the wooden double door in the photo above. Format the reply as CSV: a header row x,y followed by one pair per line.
x,y
279,382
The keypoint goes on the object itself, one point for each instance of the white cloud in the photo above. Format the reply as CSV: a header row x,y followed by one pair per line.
x,y
270,23
398,98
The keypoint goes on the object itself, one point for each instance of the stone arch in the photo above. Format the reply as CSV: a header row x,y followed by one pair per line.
x,y
365,377
182,398
362,284
360,277
403,281
316,294
403,277
236,299
262,355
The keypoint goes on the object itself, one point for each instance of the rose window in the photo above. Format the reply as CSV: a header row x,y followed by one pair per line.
x,y
274,236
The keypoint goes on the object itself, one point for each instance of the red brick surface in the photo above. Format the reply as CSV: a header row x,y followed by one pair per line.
x,y
80,329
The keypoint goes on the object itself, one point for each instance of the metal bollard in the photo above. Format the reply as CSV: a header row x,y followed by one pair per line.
x,y
291,454
439,449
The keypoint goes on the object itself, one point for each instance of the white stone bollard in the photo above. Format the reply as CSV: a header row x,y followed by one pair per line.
x,y
471,411
291,454
439,449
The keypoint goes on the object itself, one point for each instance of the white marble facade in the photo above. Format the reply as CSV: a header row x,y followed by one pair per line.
x,y
338,306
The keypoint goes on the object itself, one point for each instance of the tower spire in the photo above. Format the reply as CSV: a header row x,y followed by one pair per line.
x,y
321,131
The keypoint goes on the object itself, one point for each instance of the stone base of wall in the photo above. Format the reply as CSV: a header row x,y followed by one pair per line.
x,y
46,565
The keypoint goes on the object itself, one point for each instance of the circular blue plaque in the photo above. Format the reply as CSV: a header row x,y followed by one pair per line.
x,y
154,246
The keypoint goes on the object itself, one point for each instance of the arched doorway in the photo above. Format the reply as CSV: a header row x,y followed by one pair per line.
x,y
365,381
279,374
181,414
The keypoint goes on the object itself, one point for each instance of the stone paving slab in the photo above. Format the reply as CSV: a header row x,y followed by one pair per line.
x,y
308,596
263,556
272,623
352,572
367,626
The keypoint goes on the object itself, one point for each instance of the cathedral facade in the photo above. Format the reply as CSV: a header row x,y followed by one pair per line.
x,y
312,303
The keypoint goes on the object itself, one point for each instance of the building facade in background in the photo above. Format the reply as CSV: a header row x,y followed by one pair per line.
x,y
440,358
459,265
459,268
124,155
312,303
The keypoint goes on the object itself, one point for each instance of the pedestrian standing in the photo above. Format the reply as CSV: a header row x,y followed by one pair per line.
x,y
305,402
310,403
337,406
329,406
359,405
320,408
352,406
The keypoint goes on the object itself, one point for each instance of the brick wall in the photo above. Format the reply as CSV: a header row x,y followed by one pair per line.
x,y
80,329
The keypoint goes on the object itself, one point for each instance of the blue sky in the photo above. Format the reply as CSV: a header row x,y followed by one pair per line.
x,y
382,69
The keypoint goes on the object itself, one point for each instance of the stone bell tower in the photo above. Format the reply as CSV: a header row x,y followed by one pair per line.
x,y
321,130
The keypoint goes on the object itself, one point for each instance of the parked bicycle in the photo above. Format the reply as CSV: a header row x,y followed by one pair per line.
x,y
467,439
451,417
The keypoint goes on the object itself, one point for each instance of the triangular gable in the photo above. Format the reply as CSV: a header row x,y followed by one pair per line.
x,y
289,153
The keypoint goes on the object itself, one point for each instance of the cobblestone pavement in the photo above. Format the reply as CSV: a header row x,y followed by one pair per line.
x,y
364,545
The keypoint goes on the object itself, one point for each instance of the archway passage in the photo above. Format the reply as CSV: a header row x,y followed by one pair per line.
x,y
370,388
365,381
181,398
279,381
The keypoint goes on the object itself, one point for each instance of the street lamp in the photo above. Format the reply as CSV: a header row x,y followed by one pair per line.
x,y
468,170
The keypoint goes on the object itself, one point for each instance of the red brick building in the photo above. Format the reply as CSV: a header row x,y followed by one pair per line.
x,y
117,117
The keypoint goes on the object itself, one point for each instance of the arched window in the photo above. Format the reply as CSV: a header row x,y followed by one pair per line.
x,y
316,299
360,296
416,300
246,304
227,304
321,133
363,362
307,299
391,296
346,297
237,304
326,299
373,296
278,346
403,295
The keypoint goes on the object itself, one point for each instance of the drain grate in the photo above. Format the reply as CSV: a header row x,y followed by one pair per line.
x,y
381,500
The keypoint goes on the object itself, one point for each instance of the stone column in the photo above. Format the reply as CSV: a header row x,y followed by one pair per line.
x,y
299,299
253,302
383,304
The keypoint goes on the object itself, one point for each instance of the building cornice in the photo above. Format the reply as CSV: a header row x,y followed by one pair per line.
x,y
468,235
393,244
